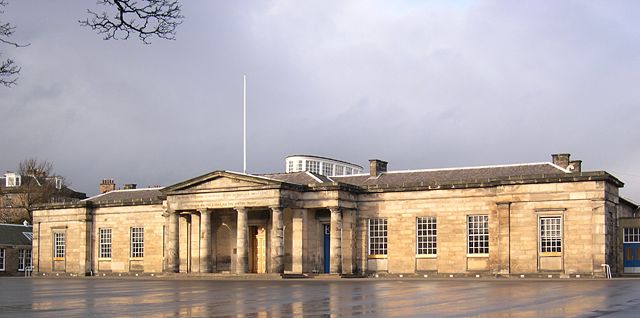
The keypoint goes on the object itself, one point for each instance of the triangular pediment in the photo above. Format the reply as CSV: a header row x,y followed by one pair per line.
x,y
220,181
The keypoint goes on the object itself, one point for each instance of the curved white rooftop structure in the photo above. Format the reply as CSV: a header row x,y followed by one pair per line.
x,y
321,165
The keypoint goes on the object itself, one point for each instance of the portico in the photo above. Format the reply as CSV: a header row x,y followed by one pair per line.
x,y
233,223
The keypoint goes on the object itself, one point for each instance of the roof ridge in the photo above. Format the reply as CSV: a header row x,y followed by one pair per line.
x,y
479,167
121,190
21,225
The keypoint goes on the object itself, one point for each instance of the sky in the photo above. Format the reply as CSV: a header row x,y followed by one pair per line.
x,y
420,84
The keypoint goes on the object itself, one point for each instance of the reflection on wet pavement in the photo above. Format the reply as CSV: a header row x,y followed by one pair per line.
x,y
20,297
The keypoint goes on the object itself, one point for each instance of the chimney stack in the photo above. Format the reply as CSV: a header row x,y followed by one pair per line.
x,y
561,159
564,161
107,185
376,167
129,186
575,166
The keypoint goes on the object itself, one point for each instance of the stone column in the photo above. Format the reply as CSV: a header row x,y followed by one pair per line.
x,y
298,225
205,241
242,241
335,251
173,243
277,240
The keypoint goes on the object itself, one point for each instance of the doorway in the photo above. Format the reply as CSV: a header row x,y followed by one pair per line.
x,y
257,249
326,230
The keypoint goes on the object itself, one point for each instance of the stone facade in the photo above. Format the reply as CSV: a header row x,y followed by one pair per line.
x,y
532,219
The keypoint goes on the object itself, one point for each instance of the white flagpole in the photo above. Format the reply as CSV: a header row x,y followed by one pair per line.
x,y
244,121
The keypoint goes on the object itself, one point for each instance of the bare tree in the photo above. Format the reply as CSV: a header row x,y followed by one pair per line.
x,y
9,70
143,18
38,185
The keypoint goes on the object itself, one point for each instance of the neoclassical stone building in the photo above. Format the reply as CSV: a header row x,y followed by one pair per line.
x,y
546,218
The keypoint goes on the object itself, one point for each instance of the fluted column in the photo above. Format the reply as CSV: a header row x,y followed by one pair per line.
x,y
173,243
242,241
277,240
205,241
335,251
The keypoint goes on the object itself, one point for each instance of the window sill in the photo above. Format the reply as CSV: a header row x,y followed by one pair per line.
x,y
58,258
552,254
478,255
136,258
377,256
104,259
426,256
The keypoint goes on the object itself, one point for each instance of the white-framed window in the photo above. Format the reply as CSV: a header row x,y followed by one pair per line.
x,y
299,165
2,255
477,234
348,171
58,244
631,235
105,243
377,236
137,242
313,166
339,170
58,183
24,259
550,234
13,180
290,166
327,169
426,233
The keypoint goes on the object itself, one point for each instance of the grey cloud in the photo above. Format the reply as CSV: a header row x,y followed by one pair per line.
x,y
420,84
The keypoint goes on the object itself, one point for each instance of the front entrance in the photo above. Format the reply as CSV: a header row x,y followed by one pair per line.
x,y
326,247
631,250
632,258
257,249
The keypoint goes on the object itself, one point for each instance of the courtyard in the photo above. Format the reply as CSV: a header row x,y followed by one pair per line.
x,y
144,297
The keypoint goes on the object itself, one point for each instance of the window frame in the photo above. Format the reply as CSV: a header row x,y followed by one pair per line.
x,y
136,242
553,250
633,237
59,245
24,255
429,234
381,249
105,241
480,239
3,256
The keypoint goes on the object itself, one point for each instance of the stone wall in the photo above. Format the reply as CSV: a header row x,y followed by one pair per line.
x,y
513,211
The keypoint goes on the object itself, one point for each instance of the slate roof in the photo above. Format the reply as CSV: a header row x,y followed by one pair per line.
x,y
130,195
303,178
12,234
436,176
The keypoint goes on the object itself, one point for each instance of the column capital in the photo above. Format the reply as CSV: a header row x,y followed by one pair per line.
x,y
204,211
167,212
276,208
240,209
335,209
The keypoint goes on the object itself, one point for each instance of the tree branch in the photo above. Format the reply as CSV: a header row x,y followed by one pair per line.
x,y
9,70
143,18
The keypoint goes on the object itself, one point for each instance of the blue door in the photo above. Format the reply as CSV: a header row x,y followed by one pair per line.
x,y
631,257
327,241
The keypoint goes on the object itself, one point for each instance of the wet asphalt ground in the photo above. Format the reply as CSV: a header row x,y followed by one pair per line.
x,y
99,297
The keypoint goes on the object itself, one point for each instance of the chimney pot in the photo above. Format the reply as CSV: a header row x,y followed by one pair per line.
x,y
130,186
376,167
